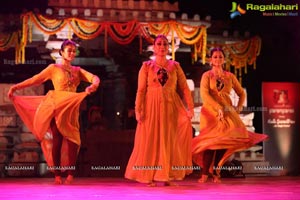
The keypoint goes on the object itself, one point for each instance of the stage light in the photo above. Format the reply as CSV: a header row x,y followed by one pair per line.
x,y
196,17
148,14
87,12
135,14
49,11
160,15
208,18
172,15
74,12
61,12
99,13
184,16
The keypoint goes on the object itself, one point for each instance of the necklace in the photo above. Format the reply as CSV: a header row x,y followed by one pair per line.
x,y
69,75
162,76
70,78
161,72
220,83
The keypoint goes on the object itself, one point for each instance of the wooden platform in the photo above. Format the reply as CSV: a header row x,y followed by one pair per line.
x,y
258,188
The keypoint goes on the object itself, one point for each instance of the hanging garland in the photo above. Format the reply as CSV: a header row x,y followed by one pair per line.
x,y
244,53
144,32
86,29
157,28
200,48
22,41
241,54
122,33
190,35
46,25
7,40
193,36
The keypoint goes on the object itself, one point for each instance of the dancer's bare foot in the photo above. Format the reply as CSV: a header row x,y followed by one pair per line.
x,y
69,179
57,180
152,184
203,179
169,183
217,179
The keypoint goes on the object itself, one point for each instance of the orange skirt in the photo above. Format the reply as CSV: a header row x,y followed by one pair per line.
x,y
230,134
38,111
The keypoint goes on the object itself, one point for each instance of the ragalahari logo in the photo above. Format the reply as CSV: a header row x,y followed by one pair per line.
x,y
236,10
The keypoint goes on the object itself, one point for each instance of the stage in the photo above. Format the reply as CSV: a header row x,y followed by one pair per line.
x,y
278,187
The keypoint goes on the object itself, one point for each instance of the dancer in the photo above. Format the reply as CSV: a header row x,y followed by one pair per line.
x,y
222,132
162,146
53,118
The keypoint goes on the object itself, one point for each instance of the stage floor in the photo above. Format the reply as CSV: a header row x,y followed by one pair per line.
x,y
257,188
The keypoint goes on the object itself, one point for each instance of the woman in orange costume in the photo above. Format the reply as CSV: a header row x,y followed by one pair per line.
x,y
162,146
222,132
53,118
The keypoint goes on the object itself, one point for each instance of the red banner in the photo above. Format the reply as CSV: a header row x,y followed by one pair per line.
x,y
280,101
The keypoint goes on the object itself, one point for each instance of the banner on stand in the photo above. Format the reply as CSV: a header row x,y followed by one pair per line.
x,y
281,101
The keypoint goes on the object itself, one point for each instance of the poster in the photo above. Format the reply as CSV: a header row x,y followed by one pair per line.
x,y
280,101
